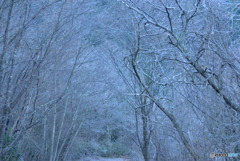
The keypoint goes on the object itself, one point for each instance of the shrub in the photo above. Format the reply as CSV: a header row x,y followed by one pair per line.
x,y
113,149
13,154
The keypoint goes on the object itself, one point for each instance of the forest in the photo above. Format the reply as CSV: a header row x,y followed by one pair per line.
x,y
119,80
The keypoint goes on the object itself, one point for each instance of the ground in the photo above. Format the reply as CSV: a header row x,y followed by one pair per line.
x,y
104,159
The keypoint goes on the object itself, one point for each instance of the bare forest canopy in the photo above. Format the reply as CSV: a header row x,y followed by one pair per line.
x,y
137,80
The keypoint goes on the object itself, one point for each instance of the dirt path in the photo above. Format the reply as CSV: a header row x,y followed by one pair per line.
x,y
104,159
